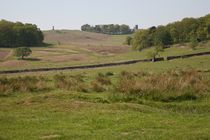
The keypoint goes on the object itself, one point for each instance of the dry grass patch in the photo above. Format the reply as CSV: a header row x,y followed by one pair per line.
x,y
22,84
67,58
107,50
168,86
13,63
4,53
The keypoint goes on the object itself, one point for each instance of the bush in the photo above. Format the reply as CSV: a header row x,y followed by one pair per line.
x,y
97,86
103,80
109,74
101,83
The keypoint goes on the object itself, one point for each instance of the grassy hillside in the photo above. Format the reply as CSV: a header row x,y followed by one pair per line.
x,y
82,38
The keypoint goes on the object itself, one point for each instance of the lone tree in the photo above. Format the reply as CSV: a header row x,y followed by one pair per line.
x,y
22,52
155,52
193,43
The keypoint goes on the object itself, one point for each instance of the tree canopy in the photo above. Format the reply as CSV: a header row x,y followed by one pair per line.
x,y
112,29
19,34
196,29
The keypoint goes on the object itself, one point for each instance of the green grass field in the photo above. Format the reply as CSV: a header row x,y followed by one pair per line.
x,y
67,115
62,114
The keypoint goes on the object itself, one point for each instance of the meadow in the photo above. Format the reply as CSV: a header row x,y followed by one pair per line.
x,y
161,100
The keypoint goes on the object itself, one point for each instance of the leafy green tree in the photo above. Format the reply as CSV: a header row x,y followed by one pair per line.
x,y
174,34
162,37
202,33
128,40
154,53
124,29
86,27
141,40
107,29
19,34
193,43
22,52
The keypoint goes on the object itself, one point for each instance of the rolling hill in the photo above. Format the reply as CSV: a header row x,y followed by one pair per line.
x,y
82,38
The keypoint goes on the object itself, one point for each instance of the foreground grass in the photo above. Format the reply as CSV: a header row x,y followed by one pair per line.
x,y
67,115
31,111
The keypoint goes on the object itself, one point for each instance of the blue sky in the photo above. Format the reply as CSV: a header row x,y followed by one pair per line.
x,y
71,14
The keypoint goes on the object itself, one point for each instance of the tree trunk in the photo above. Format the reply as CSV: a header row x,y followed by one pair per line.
x,y
153,59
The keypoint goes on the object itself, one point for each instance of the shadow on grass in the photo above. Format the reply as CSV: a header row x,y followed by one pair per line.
x,y
41,45
45,45
30,59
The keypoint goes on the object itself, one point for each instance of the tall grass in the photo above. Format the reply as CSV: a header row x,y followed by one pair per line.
x,y
22,84
73,83
168,86
175,85
101,83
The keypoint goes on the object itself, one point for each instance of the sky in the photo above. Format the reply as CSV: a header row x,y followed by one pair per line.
x,y
71,14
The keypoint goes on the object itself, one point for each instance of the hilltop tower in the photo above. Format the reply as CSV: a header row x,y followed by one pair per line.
x,y
136,27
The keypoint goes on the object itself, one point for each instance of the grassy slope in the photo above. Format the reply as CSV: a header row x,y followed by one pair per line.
x,y
66,115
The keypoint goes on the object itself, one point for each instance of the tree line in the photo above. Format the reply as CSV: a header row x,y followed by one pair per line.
x,y
112,29
188,30
19,34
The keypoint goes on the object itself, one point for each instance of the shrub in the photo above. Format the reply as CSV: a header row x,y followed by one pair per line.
x,y
97,86
103,80
101,83
109,74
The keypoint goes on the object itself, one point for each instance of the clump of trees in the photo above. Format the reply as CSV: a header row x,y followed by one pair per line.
x,y
19,34
192,30
112,29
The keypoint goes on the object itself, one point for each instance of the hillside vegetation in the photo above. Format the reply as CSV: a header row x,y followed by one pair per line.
x,y
192,30
111,29
19,34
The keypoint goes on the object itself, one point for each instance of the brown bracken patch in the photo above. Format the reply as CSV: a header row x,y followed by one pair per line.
x,y
63,58
13,63
3,54
108,49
